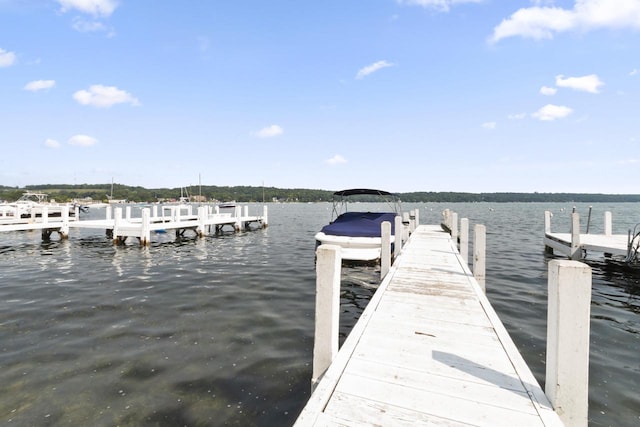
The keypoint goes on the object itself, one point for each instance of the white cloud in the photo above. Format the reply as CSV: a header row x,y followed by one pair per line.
x,y
51,143
82,140
634,72
441,5
336,160
269,132
7,58
543,22
489,125
92,7
518,116
546,90
104,96
589,83
37,85
372,68
552,112
84,26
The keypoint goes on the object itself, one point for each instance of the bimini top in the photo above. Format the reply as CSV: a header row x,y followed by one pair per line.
x,y
366,191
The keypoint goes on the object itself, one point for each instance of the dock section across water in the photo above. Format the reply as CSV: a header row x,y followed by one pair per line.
x,y
429,349
576,244
119,223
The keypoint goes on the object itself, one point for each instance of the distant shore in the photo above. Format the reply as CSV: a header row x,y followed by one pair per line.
x,y
247,194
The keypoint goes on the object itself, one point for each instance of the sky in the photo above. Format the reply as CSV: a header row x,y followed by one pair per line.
x,y
400,95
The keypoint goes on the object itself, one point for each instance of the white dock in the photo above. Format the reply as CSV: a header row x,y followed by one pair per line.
x,y
119,224
576,244
428,350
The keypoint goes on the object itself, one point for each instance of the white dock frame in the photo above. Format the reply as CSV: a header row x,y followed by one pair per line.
x,y
119,224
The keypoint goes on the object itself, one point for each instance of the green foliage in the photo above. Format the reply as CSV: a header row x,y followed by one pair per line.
x,y
245,194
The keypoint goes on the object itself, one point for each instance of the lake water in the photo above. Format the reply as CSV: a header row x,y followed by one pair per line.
x,y
219,330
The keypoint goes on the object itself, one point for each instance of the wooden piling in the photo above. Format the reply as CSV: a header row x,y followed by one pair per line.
x,y
576,252
479,254
385,248
567,360
464,240
325,348
397,244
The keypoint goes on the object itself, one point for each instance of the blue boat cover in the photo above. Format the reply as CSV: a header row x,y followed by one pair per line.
x,y
359,224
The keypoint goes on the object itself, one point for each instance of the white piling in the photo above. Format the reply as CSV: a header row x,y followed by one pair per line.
x,y
547,221
385,249
397,244
464,240
479,254
607,223
64,229
325,347
454,226
567,362
575,236
265,216
117,219
145,231
127,212
417,217
202,217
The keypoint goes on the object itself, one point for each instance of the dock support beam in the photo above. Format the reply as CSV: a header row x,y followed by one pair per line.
x,y
568,317
479,254
325,346
265,216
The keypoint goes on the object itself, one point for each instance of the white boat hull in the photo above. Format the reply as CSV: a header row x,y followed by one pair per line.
x,y
354,248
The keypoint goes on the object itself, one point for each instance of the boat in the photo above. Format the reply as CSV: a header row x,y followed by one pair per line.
x,y
358,233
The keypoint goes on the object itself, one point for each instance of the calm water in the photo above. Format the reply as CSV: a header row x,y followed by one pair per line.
x,y
219,330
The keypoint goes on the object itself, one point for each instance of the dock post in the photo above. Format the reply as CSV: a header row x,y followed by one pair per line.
x,y
385,248
154,211
464,240
145,231
127,212
64,229
454,226
265,216
575,236
202,216
547,221
412,220
567,376
325,346
109,212
607,223
479,254
117,219
397,244
417,217
238,215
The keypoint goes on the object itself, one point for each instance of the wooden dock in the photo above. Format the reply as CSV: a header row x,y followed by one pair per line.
x,y
428,350
576,244
119,223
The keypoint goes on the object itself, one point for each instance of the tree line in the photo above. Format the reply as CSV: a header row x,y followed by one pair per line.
x,y
247,194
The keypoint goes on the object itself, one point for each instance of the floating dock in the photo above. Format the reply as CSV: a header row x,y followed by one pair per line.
x,y
428,349
119,224
576,245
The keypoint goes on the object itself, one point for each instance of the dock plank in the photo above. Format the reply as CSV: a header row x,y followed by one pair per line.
x,y
429,350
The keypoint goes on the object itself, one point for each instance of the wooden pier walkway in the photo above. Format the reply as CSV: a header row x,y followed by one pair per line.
x,y
428,350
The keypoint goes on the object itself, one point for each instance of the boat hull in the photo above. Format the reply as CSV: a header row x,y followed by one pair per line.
x,y
354,248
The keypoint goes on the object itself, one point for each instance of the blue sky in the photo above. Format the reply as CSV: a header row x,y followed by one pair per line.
x,y
402,95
